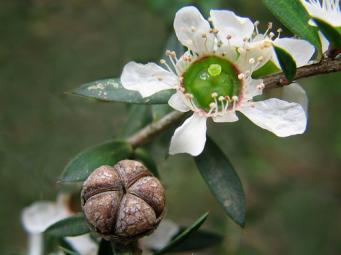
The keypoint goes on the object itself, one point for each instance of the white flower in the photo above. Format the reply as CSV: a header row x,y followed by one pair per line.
x,y
40,215
213,78
326,10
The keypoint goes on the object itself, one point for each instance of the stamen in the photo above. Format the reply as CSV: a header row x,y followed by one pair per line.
x,y
163,62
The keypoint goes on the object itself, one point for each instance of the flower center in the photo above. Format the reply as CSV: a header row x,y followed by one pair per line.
x,y
212,82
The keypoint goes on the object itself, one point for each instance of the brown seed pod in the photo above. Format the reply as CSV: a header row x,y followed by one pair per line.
x,y
123,202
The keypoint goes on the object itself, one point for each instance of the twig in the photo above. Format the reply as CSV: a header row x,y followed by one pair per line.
x,y
272,81
324,67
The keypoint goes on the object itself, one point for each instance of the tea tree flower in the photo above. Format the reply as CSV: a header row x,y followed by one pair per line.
x,y
326,10
213,78
40,215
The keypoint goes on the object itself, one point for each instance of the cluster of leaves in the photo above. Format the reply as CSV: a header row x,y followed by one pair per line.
x,y
214,166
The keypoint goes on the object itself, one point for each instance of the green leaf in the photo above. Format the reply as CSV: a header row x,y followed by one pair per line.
x,y
69,252
286,62
184,235
147,159
81,166
73,226
104,248
294,16
199,240
111,90
139,116
331,33
159,111
222,180
267,69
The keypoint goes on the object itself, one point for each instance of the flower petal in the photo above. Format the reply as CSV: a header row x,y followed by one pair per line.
x,y
279,117
228,23
179,102
190,26
300,50
252,88
294,93
40,215
147,79
190,137
84,244
229,116
257,54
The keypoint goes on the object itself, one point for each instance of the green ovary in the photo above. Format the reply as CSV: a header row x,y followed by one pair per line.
x,y
211,75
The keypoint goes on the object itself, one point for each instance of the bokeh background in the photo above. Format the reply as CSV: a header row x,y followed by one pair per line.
x,y
48,47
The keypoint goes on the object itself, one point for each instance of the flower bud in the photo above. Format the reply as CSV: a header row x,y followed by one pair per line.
x,y
123,202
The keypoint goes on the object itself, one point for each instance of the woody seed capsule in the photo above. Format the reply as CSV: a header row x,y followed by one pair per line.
x,y
123,202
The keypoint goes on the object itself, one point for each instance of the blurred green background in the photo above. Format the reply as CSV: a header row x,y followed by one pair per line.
x,y
48,47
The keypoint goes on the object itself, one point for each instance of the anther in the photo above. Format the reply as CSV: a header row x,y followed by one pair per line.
x,y
221,98
212,105
252,61
162,61
235,98
241,76
228,37
193,29
260,58
214,94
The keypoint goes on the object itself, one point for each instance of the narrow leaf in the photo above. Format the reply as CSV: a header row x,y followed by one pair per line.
x,y
332,34
184,235
81,166
294,16
286,62
104,248
267,69
72,226
111,90
199,240
147,159
139,116
222,180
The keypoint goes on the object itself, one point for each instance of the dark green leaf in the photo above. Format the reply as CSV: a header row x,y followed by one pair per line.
x,y
147,159
69,252
139,116
286,62
111,90
331,33
199,240
104,248
73,226
109,153
294,16
159,111
184,235
267,69
222,180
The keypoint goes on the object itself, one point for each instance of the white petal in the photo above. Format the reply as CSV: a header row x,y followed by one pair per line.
x,y
40,215
161,236
84,244
300,50
279,117
294,93
331,15
190,26
228,23
259,52
179,102
147,79
229,116
252,88
190,137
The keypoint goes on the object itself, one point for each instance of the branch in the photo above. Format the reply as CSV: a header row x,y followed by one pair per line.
x,y
271,81
325,66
